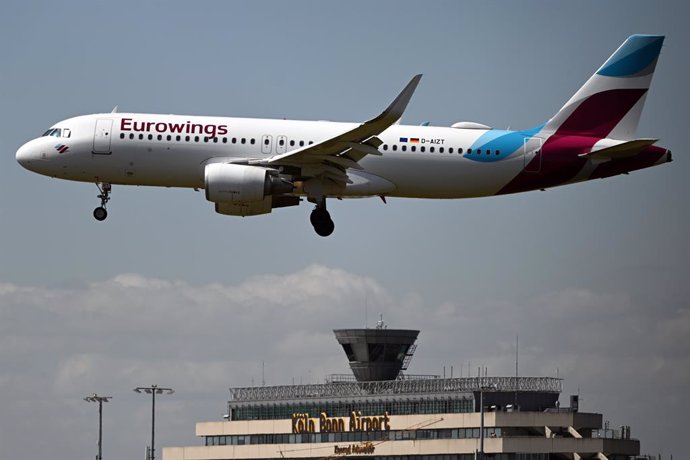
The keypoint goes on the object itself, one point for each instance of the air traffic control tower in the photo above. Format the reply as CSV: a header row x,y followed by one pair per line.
x,y
379,413
377,354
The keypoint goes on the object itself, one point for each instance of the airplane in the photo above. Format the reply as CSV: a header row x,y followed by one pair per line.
x,y
249,166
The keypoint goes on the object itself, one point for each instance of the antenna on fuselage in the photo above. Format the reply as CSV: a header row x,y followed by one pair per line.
x,y
114,110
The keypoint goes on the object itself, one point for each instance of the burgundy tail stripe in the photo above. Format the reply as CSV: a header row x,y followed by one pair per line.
x,y
600,113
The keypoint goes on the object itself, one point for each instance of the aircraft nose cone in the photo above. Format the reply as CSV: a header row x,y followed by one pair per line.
x,y
29,154
24,155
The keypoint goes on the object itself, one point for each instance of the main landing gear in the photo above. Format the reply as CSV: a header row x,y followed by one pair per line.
x,y
100,213
321,219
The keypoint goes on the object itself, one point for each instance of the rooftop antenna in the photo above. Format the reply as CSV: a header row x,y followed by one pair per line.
x,y
380,324
366,308
263,374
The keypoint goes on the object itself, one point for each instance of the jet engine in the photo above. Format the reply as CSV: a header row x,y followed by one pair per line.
x,y
231,183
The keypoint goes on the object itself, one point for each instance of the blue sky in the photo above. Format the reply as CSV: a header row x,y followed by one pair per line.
x,y
593,277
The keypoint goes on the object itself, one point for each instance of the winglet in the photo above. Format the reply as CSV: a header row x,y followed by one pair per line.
x,y
395,110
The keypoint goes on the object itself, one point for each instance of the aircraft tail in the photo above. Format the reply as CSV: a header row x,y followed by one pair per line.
x,y
610,103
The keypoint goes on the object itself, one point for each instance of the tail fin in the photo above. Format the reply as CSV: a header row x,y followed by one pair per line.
x,y
611,102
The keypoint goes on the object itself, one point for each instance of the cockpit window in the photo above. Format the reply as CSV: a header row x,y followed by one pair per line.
x,y
58,132
55,132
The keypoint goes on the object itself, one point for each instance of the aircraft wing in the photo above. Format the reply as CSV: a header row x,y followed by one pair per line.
x,y
332,157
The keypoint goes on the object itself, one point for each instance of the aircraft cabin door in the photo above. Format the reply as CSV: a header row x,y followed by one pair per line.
x,y
532,149
102,136
282,144
266,142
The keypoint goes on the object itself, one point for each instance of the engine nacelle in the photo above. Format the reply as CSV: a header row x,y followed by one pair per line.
x,y
230,183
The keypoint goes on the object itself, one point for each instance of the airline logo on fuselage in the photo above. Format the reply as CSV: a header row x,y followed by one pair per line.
x,y
211,130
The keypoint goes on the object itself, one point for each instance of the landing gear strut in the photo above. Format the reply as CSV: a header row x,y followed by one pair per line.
x,y
100,213
321,220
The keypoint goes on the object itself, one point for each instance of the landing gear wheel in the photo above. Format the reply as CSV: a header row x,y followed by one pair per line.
x,y
322,222
100,213
325,228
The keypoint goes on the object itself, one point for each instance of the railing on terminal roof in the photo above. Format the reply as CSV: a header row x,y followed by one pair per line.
x,y
393,387
340,378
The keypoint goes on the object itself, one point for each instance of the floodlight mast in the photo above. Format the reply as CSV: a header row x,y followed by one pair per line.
x,y
153,390
482,389
100,400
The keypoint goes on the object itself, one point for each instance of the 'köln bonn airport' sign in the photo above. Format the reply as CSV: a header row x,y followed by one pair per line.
x,y
303,423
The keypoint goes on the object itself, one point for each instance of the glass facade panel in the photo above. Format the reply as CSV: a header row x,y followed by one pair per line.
x,y
345,408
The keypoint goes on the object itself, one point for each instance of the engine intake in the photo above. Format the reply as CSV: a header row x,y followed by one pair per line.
x,y
230,183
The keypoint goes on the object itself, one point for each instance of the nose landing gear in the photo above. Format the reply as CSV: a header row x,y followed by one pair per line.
x,y
100,213
321,220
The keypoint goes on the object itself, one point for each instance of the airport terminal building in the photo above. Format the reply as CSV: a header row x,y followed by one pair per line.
x,y
381,413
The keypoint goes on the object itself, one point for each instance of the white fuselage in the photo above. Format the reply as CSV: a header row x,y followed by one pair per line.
x,y
156,155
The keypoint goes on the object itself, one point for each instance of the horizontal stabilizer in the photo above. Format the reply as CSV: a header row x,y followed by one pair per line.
x,y
619,151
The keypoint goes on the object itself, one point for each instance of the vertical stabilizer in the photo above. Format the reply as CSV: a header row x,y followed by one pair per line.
x,y
610,103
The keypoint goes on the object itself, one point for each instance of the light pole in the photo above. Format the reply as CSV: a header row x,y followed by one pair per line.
x,y
153,390
100,400
482,389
